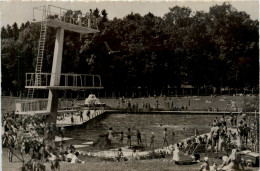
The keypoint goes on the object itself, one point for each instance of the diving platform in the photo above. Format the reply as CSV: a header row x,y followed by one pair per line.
x,y
67,19
67,81
56,23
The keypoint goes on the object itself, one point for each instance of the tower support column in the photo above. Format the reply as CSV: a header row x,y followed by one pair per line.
x,y
52,107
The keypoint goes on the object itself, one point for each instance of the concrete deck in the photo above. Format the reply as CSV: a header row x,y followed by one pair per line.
x,y
66,122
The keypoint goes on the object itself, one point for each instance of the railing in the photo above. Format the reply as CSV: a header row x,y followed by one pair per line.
x,y
31,105
65,15
37,105
39,13
66,80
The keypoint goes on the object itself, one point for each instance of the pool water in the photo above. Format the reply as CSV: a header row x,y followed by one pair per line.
x,y
183,126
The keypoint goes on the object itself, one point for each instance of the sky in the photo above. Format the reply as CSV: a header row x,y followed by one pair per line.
x,y
17,11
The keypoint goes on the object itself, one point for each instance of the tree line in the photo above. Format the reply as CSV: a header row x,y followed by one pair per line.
x,y
219,48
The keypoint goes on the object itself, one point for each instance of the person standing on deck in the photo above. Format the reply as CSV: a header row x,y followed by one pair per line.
x,y
223,123
144,106
215,136
152,140
172,106
244,119
246,133
235,120
118,103
11,146
88,114
231,119
72,119
196,133
165,136
110,135
224,127
81,116
240,130
157,103
139,137
136,108
121,137
79,20
129,135
62,133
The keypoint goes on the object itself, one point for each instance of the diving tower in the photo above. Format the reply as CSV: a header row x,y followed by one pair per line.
x,y
62,20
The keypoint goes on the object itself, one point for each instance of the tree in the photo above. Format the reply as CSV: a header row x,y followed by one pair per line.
x,y
218,48
15,30
4,33
10,33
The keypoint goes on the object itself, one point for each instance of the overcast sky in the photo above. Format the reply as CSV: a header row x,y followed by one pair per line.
x,y
23,11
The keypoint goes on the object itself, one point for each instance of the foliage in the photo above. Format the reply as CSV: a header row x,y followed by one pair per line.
x,y
251,105
218,48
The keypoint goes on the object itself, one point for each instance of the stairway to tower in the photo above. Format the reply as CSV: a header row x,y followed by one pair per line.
x,y
36,81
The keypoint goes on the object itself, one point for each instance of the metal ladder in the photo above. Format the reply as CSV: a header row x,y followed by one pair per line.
x,y
36,81
41,46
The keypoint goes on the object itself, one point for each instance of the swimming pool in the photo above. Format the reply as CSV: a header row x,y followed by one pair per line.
x,y
183,126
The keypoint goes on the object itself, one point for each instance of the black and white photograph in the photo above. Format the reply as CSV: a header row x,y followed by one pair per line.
x,y
129,85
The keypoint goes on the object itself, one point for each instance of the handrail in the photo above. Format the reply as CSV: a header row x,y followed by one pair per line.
x,y
38,7
58,7
46,73
67,80
49,9
51,14
31,105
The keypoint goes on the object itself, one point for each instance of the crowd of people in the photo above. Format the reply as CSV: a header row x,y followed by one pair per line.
x,y
221,139
25,135
226,137
147,106
165,103
126,138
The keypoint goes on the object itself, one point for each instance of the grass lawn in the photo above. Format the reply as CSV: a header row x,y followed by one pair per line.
x,y
96,164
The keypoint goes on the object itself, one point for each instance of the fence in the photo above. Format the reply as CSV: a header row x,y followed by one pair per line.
x,y
67,81
111,93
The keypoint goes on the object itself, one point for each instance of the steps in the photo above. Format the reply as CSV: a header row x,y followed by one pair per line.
x,y
36,81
